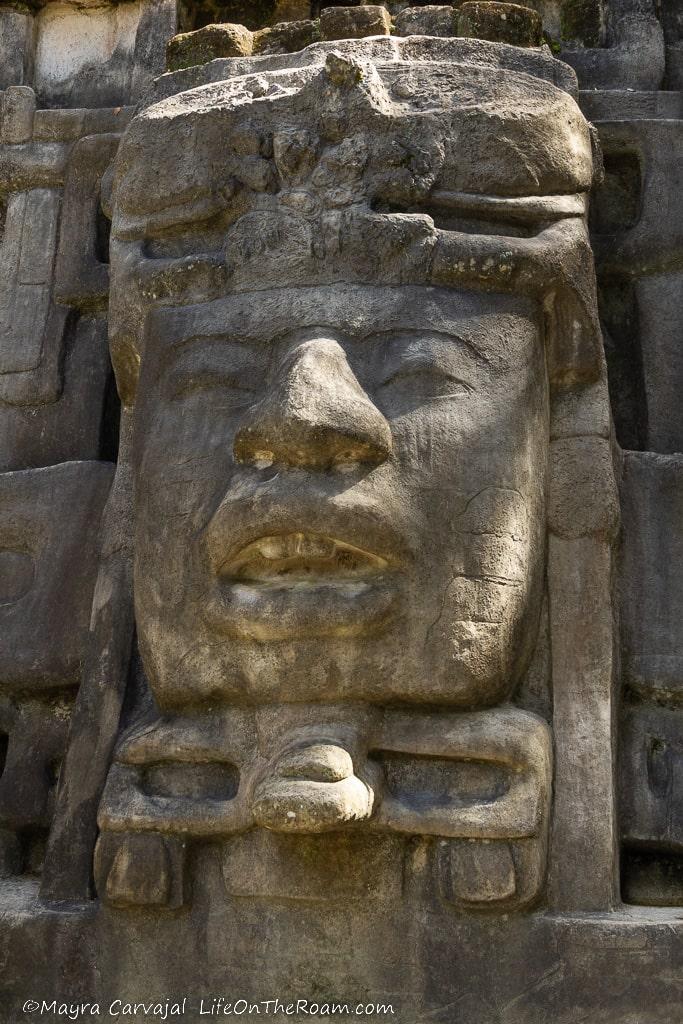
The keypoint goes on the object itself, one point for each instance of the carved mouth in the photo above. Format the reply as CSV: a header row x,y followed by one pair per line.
x,y
300,558
302,585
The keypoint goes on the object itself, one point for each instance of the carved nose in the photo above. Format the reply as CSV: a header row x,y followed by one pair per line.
x,y
316,414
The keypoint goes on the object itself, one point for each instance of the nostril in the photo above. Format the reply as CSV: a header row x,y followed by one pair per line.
x,y
346,466
316,415
263,459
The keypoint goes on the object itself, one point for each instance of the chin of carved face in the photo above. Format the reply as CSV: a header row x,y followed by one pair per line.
x,y
340,494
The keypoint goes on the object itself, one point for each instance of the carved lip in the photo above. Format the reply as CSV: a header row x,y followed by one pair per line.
x,y
246,519
301,557
302,585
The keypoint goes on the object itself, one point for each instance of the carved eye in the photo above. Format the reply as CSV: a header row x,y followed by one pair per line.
x,y
418,381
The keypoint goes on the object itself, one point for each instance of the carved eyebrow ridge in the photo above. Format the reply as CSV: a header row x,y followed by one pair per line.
x,y
174,349
446,336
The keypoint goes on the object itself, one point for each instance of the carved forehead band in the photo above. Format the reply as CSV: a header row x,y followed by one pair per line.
x,y
434,174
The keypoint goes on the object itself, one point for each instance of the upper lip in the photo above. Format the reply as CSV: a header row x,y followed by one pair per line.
x,y
239,530
301,555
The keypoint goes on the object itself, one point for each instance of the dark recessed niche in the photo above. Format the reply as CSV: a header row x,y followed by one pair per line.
x,y
652,878
4,744
110,425
615,205
440,782
620,326
212,781
253,14
102,234
33,844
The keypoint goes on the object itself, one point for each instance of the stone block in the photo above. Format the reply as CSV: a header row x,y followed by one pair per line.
x,y
627,104
583,497
18,109
49,534
36,740
16,46
140,870
632,54
650,152
191,48
497,875
105,674
651,583
314,869
157,25
584,829
580,411
354,22
287,37
581,22
31,325
82,264
500,23
70,427
659,299
431,20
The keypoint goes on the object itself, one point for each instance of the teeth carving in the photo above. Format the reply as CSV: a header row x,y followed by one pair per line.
x,y
301,556
292,545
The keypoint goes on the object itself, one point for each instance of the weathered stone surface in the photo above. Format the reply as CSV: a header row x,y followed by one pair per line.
x,y
431,20
73,426
651,778
638,232
285,38
81,269
354,22
97,710
396,49
652,569
499,22
54,369
49,522
632,54
332,693
18,110
16,46
274,610
207,43
583,642
583,493
627,104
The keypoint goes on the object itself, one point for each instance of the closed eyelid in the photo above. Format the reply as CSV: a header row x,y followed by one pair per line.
x,y
415,367
442,359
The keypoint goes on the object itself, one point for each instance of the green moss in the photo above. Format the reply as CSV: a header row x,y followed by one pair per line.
x,y
554,45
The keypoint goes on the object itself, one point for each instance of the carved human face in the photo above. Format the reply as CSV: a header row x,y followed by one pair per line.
x,y
340,495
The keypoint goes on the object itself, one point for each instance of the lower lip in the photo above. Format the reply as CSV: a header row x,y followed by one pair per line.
x,y
271,612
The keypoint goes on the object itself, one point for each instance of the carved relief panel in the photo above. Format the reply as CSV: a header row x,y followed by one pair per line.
x,y
343,340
